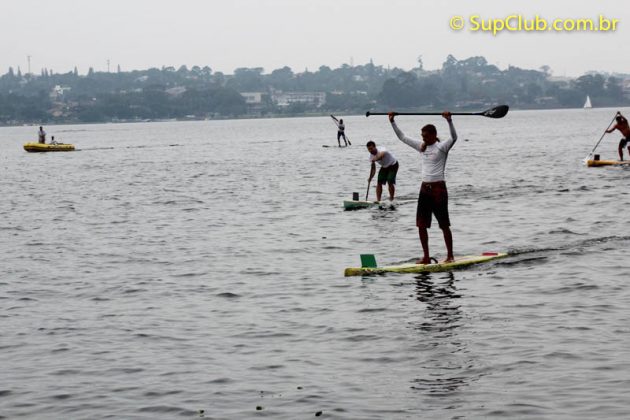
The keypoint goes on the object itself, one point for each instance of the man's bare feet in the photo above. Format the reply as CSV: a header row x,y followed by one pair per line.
x,y
449,260
424,261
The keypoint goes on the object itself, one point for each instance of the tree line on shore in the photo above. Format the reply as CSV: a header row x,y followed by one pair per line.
x,y
199,92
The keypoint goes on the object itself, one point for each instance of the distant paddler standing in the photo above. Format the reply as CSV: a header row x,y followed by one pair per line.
x,y
622,126
388,171
41,135
433,197
341,131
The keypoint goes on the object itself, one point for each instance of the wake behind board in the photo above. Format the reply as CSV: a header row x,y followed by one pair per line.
x,y
370,268
594,163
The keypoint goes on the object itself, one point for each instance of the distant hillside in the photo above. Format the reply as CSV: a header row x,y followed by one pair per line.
x,y
200,93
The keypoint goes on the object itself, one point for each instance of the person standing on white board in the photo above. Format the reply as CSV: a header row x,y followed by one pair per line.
x,y
388,171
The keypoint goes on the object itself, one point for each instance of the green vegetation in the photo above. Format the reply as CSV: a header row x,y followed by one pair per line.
x,y
198,93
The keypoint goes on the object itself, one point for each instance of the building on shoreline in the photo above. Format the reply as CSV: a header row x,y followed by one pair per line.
x,y
285,99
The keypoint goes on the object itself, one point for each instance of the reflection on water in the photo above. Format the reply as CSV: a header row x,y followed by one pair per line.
x,y
446,362
443,314
440,386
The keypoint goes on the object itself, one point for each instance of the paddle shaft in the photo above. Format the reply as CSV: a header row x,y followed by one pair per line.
x,y
602,137
426,113
368,190
496,112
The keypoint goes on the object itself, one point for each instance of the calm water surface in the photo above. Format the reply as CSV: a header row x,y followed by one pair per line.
x,y
168,268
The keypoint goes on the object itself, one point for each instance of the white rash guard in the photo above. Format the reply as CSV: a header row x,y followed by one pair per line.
x,y
387,160
434,157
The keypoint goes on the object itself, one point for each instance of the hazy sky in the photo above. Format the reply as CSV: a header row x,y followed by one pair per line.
x,y
227,34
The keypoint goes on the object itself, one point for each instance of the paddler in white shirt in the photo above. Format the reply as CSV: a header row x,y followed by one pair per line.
x,y
388,171
341,131
433,197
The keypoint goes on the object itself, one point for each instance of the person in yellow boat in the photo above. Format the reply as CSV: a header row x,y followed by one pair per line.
x,y
622,126
41,135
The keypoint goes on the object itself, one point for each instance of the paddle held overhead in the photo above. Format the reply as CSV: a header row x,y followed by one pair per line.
x,y
496,112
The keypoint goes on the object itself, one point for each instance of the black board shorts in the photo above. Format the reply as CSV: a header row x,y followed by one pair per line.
x,y
433,199
388,174
624,142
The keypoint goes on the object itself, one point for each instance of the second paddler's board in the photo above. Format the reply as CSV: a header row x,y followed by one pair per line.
x,y
460,262
359,204
362,204
591,163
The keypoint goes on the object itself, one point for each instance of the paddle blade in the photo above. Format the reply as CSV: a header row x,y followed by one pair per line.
x,y
367,114
497,112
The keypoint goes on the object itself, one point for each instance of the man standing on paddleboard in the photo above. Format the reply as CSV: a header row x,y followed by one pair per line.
x,y
341,131
388,171
433,197
622,126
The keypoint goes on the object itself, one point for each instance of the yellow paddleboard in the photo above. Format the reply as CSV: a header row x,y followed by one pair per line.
x,y
607,162
459,262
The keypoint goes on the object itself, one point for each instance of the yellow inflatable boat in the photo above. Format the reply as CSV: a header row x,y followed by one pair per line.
x,y
54,147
